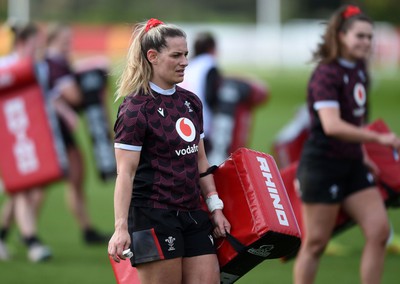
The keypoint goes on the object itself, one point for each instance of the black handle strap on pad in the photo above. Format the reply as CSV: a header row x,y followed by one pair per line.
x,y
235,243
210,170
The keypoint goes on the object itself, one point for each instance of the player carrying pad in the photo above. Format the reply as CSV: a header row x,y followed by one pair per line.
x,y
259,210
388,180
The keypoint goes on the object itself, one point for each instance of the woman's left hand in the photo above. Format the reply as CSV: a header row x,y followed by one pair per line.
x,y
221,224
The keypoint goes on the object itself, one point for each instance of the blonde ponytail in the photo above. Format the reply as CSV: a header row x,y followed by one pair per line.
x,y
137,71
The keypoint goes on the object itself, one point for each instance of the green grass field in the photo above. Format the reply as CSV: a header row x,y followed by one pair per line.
x,y
75,262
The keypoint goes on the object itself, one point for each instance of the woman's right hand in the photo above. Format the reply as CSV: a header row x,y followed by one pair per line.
x,y
389,139
119,242
67,114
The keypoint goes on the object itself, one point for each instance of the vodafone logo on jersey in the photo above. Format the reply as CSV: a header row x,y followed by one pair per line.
x,y
360,95
187,132
185,129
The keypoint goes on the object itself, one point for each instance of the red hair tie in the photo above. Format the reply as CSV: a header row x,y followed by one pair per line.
x,y
351,11
153,23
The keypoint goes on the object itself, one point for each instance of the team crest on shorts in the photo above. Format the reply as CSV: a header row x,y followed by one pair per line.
x,y
171,243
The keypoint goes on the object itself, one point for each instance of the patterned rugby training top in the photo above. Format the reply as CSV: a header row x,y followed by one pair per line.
x,y
166,129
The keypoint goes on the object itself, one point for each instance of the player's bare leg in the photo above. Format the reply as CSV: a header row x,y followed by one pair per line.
x,y
374,223
318,222
75,193
201,269
24,214
161,272
77,199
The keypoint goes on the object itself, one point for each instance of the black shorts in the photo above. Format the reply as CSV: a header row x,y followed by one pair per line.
x,y
330,181
66,134
158,234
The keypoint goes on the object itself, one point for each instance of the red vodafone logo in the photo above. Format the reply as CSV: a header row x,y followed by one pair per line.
x,y
185,129
360,95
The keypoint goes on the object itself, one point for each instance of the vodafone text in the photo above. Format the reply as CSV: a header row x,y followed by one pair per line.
x,y
273,192
24,148
189,150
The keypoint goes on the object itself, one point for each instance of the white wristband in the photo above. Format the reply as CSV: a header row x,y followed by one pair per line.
x,y
214,202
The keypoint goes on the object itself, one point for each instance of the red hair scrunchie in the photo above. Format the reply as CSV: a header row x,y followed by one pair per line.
x,y
153,23
351,11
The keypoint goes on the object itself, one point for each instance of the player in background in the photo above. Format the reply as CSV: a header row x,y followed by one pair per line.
x,y
203,78
66,96
21,206
160,155
332,173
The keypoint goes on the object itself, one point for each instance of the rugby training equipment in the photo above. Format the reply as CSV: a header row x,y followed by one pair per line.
x,y
289,142
387,160
236,99
259,211
91,75
30,153
123,271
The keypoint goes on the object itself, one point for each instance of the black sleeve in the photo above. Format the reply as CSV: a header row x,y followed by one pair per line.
x,y
213,83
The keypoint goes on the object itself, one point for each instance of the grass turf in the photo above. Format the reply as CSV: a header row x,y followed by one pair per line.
x,y
74,262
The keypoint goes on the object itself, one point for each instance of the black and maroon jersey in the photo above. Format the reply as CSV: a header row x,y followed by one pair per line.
x,y
59,72
339,84
166,128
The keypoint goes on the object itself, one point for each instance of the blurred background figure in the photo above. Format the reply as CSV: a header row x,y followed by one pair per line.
x,y
21,206
203,78
333,172
227,102
66,95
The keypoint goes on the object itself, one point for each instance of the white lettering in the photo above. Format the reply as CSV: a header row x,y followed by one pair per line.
x,y
276,199
282,217
189,150
268,178
24,149
358,112
273,192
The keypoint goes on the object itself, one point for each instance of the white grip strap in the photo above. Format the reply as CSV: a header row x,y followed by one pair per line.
x,y
214,202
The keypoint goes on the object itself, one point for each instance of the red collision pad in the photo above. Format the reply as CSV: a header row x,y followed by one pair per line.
x,y
124,272
387,161
258,208
28,153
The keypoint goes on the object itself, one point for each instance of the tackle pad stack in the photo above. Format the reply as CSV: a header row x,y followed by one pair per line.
x,y
259,211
